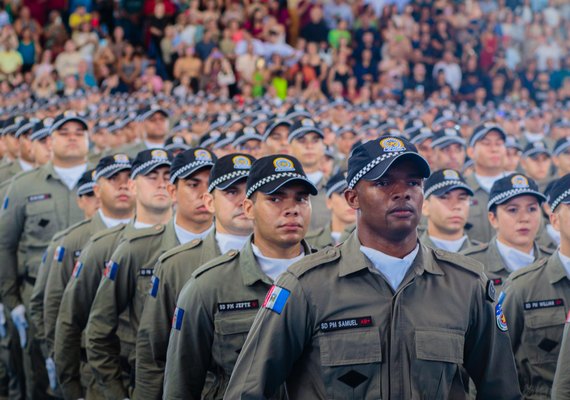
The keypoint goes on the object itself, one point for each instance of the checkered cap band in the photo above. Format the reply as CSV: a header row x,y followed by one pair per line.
x,y
111,168
271,178
147,164
444,184
371,165
557,201
85,188
500,198
339,186
189,167
227,177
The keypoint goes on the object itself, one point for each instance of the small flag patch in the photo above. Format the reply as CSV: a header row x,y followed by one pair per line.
x,y
111,270
5,203
59,253
77,269
177,319
276,299
155,281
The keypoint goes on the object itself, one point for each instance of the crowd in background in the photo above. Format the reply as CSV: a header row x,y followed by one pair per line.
x,y
361,50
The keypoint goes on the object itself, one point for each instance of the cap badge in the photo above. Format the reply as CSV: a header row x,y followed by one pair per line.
x,y
450,132
202,155
450,174
178,140
283,164
93,175
308,122
519,182
159,155
392,144
241,162
121,158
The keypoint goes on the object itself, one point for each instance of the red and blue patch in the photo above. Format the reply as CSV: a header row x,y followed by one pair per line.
x,y
59,254
77,269
111,270
154,282
177,319
276,299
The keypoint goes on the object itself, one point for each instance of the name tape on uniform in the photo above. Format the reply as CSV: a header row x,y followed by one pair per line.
x,y
238,306
538,304
39,197
346,323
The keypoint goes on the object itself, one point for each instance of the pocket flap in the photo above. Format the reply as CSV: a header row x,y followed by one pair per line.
x,y
40,207
440,345
544,318
360,346
231,326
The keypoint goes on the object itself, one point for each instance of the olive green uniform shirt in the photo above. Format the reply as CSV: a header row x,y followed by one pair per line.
x,y
320,214
62,268
75,306
320,238
561,386
536,303
480,227
9,170
215,311
495,267
123,288
36,310
338,331
171,272
37,206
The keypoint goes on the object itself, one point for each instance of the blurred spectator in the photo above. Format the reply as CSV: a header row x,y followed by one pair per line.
x,y
79,16
68,61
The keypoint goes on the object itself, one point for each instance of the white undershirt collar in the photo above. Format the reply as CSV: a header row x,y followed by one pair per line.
x,y
227,242
565,263
449,245
184,236
273,267
111,222
70,176
393,269
513,258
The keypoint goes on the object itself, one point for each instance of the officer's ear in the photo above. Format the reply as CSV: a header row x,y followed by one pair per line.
x,y
493,219
208,199
248,207
471,152
97,191
425,208
555,220
171,188
351,197
132,187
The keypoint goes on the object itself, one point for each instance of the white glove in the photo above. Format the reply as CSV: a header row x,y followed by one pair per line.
x,y
50,367
2,322
19,318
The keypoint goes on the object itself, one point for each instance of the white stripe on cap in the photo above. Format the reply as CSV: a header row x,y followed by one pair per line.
x,y
272,178
226,177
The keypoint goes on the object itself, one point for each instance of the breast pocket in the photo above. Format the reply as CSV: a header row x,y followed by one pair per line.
x,y
544,330
41,222
351,364
439,353
230,334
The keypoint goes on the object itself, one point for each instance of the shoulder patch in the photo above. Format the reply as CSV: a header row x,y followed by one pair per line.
x,y
79,224
533,267
107,232
180,249
223,259
314,260
461,261
477,248
146,232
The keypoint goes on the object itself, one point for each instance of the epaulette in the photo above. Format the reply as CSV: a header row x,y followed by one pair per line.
x,y
460,260
106,232
146,232
315,233
475,249
79,224
309,262
224,258
546,250
180,249
60,234
23,174
532,267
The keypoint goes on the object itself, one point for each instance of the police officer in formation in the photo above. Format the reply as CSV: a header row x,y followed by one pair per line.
x,y
185,264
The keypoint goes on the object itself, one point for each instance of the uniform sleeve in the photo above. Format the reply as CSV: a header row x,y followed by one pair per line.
x,y
57,280
102,342
561,386
72,319
37,299
512,307
152,337
488,356
275,341
190,345
12,219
